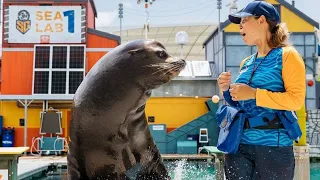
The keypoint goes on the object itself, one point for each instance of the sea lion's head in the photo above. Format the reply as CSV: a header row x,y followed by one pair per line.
x,y
152,64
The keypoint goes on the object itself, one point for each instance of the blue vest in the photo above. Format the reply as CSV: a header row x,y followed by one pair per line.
x,y
268,76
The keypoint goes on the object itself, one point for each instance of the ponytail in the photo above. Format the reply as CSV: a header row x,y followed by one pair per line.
x,y
279,34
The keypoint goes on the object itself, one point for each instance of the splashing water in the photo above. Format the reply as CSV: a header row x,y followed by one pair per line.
x,y
191,170
179,170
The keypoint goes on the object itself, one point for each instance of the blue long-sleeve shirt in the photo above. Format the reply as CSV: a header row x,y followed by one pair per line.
x,y
281,85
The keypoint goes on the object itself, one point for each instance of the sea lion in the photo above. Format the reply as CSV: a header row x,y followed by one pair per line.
x,y
109,132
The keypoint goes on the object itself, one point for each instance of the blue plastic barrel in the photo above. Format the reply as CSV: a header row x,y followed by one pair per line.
x,y
8,137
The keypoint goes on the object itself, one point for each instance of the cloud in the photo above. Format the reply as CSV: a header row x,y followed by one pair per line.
x,y
106,18
127,4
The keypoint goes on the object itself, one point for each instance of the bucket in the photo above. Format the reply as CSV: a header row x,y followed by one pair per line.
x,y
7,137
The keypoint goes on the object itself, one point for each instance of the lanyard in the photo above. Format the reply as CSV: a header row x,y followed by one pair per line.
x,y
254,65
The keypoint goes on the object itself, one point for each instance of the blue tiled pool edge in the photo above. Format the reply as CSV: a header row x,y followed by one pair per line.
x,y
28,168
38,170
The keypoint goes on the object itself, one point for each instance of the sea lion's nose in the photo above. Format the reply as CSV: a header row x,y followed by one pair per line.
x,y
180,62
183,62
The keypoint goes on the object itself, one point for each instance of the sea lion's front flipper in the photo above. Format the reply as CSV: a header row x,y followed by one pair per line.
x,y
125,177
74,172
145,151
152,166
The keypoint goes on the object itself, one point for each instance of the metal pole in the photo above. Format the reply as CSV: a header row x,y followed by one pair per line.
x,y
146,26
25,105
120,27
25,123
181,51
219,31
219,7
219,27
120,16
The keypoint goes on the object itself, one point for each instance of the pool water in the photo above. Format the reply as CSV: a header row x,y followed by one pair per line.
x,y
314,171
191,170
179,170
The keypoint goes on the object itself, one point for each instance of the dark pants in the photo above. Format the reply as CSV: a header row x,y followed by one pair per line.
x,y
253,162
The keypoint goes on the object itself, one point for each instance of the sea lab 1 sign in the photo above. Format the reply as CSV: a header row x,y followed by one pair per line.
x,y
44,24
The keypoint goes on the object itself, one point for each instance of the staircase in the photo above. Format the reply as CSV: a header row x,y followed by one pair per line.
x,y
207,120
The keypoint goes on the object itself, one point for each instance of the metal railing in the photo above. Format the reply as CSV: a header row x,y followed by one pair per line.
x,y
313,132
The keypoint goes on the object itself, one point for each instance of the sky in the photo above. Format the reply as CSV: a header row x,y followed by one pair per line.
x,y
177,12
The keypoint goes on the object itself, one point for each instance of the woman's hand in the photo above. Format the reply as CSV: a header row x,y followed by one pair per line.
x,y
224,81
239,91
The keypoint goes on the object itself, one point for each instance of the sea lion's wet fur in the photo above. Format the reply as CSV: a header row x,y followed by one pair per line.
x,y
109,133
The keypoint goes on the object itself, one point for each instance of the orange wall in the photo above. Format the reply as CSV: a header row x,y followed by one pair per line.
x,y
16,72
90,16
92,58
95,41
17,67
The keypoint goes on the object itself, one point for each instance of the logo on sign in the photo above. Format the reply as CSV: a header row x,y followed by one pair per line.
x,y
23,24
44,39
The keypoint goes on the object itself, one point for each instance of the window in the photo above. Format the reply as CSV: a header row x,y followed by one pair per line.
x,y
58,69
234,39
209,50
235,54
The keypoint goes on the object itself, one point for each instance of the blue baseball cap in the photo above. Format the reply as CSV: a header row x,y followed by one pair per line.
x,y
256,8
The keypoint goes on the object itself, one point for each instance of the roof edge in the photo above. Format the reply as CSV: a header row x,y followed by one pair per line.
x,y
299,13
215,31
94,8
105,34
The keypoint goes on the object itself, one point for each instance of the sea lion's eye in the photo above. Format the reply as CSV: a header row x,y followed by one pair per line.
x,y
162,54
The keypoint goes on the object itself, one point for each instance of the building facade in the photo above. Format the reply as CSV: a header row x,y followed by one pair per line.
x,y
48,47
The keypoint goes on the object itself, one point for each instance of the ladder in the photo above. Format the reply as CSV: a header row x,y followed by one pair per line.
x,y
203,135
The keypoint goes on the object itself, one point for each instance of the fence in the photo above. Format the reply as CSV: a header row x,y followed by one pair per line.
x,y
313,132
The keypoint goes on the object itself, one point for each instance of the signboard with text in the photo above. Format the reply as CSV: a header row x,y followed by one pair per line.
x,y
44,24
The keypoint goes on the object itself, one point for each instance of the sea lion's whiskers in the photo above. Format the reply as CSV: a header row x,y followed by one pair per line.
x,y
175,67
167,70
165,65
162,67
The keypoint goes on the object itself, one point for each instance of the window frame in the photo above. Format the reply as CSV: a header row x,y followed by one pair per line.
x,y
50,69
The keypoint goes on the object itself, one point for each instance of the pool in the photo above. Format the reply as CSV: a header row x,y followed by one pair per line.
x,y
314,171
191,170
179,170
